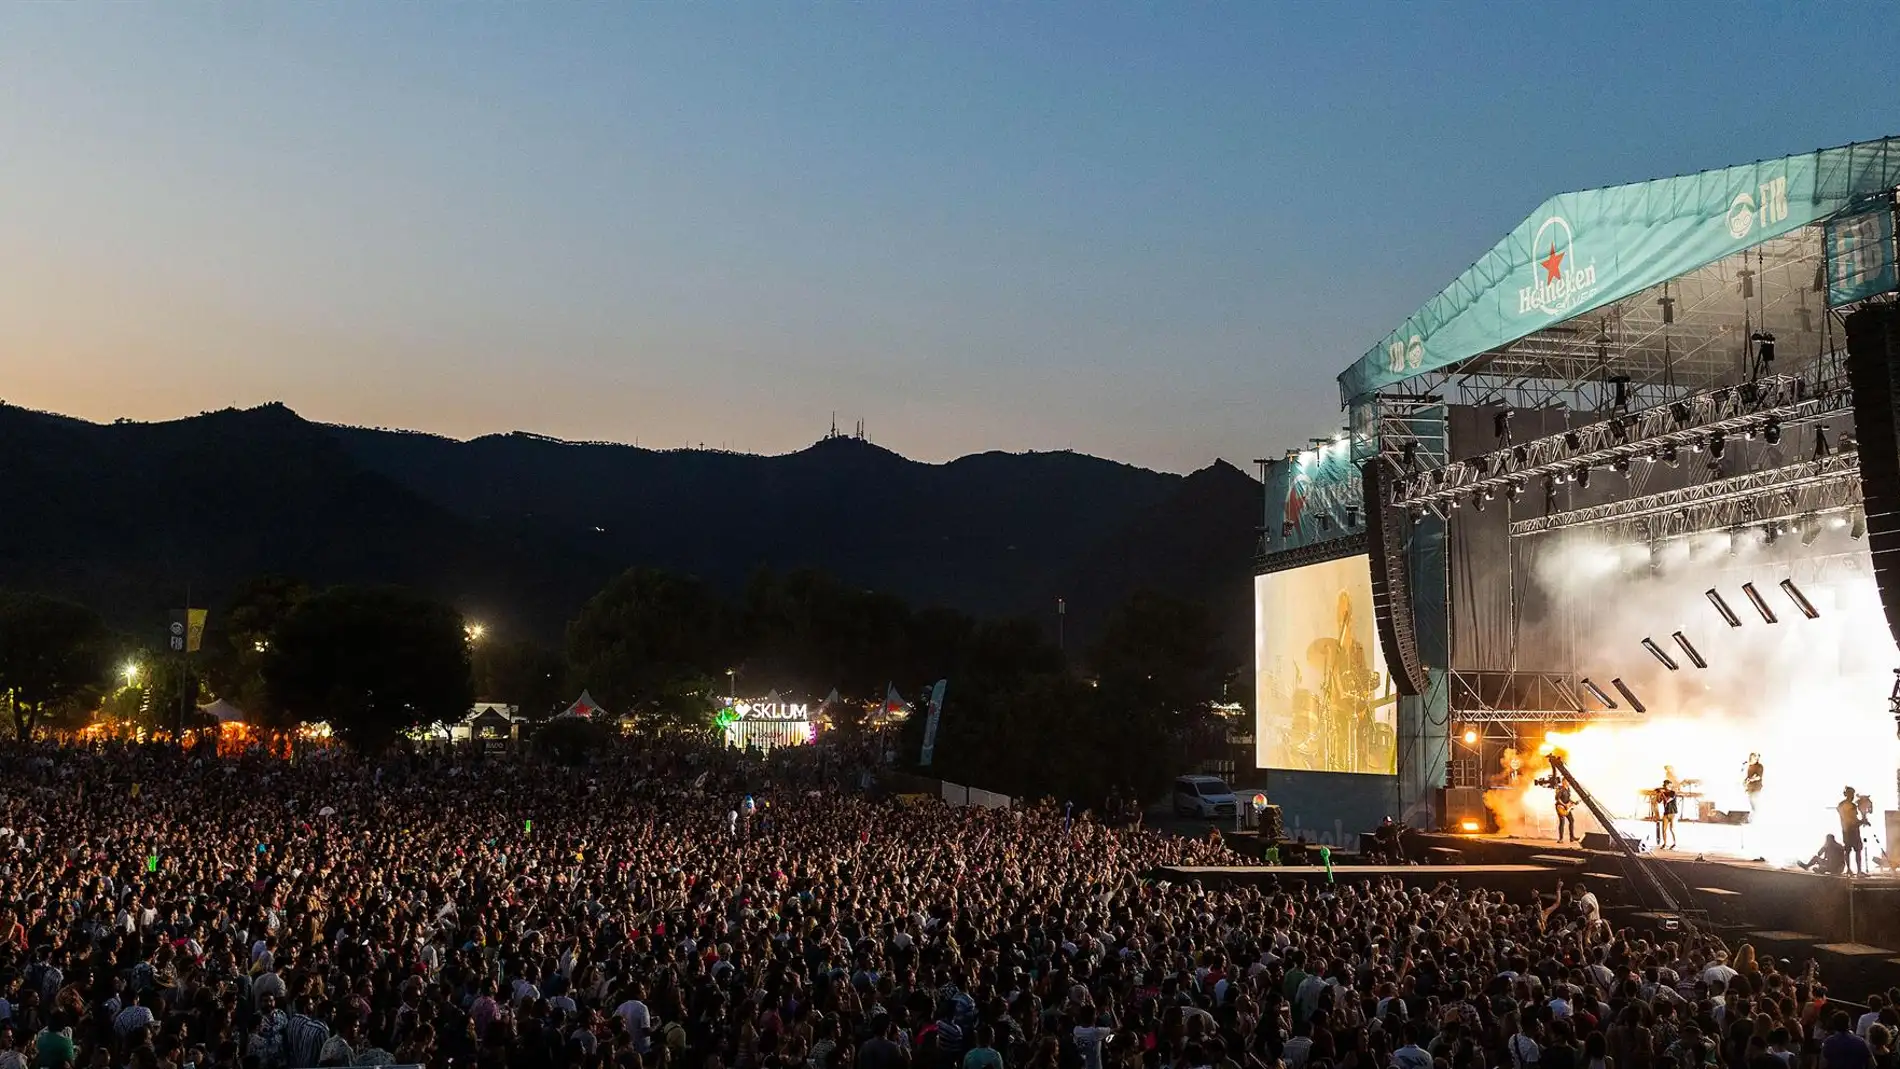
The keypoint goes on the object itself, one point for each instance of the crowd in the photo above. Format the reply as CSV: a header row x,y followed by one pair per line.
x,y
691,908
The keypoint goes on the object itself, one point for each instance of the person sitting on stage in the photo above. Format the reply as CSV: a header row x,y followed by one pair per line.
x,y
1831,860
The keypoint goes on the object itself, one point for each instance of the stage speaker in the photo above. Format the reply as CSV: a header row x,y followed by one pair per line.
x,y
1873,369
1597,840
1391,583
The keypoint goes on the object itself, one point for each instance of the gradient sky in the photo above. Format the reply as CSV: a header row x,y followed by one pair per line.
x,y
1151,232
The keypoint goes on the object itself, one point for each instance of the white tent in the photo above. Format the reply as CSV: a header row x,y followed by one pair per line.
x,y
584,706
223,712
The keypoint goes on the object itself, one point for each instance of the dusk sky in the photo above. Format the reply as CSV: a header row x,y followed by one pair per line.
x,y
1151,232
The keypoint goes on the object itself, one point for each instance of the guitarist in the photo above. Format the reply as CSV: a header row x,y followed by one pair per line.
x,y
1566,803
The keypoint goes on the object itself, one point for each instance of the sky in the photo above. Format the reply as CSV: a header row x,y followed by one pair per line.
x,y
1151,232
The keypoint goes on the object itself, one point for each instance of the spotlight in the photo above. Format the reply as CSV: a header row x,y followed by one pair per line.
x,y
1670,455
1511,492
1597,692
1754,598
1772,432
1717,445
1471,736
1810,530
1583,477
1573,441
1438,476
1800,600
1695,658
1859,530
1522,456
1623,465
1478,501
1820,442
1661,655
1721,606
1619,429
1680,413
1628,696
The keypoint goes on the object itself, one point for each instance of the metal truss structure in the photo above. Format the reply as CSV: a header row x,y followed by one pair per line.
x,y
1819,487
1525,697
1311,553
1688,335
1763,405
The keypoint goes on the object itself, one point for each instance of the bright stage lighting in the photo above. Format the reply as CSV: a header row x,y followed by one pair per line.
x,y
1597,693
1800,600
1859,529
1772,432
1628,695
1661,655
1471,736
1695,658
1754,597
1470,826
1728,614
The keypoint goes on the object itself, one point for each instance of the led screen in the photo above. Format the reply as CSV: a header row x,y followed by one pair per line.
x,y
1324,701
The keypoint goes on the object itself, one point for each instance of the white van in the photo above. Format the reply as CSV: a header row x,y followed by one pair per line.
x,y
1204,796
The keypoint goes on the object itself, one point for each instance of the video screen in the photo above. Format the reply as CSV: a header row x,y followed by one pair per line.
x,y
1323,700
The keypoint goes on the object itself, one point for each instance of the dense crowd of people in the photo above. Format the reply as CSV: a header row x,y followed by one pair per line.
x,y
692,908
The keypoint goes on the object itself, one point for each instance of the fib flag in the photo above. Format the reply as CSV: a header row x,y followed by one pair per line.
x,y
187,631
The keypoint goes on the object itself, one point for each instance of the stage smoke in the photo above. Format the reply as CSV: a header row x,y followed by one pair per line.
x,y
1597,692
1694,657
1754,597
1657,652
1800,600
1728,614
1624,690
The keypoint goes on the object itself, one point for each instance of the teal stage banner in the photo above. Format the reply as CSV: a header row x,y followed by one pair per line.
x,y
1860,256
1580,251
1313,496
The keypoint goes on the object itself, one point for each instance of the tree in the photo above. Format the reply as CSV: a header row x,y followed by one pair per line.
x,y
373,661
54,657
648,641
519,672
1159,670
239,638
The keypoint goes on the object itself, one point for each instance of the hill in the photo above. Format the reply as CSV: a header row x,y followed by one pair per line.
x,y
519,529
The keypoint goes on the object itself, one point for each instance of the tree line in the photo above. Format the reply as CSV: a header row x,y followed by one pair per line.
x,y
1021,716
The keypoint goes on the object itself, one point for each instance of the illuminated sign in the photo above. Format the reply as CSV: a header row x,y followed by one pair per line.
x,y
769,710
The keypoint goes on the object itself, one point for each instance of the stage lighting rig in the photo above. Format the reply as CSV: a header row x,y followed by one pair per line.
x,y
1755,599
1597,692
1800,600
1583,477
1721,606
1628,695
1695,657
1718,444
1661,655
1771,431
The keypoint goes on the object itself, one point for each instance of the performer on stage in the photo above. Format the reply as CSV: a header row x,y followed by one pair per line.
x,y
1566,803
1666,801
1751,782
1851,822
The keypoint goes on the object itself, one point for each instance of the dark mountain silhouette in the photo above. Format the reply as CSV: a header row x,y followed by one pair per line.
x,y
521,529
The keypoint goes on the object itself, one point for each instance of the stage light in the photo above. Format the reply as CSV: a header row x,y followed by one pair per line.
x,y
1859,529
1522,456
1800,600
1770,531
1482,466
1721,606
1623,465
1717,445
1512,491
1771,433
1501,424
1820,442
1470,826
1661,655
1471,736
1670,455
1754,598
1478,502
1550,496
1695,657
1618,429
1438,477
1583,477
1628,695
1573,441
1810,530
1597,692
1680,413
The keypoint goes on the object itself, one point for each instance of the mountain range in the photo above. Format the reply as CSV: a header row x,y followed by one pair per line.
x,y
518,530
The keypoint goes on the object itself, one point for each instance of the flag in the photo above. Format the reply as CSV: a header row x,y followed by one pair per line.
x,y
930,725
187,630
893,702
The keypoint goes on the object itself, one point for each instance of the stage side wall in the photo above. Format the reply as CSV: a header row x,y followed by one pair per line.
x,y
1332,808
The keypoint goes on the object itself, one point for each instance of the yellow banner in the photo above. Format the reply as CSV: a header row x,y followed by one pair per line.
x,y
194,629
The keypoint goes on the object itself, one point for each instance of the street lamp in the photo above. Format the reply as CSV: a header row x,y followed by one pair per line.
x,y
131,673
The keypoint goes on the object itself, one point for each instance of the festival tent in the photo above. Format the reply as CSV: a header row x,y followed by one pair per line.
x,y
223,712
584,706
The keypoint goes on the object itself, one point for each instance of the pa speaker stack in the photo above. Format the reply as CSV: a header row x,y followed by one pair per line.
x,y
1391,583
1873,369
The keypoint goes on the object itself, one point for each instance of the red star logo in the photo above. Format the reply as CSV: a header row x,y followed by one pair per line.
x,y
1295,504
1553,265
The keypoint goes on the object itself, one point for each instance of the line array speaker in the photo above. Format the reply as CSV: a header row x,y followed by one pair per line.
x,y
1873,370
1391,584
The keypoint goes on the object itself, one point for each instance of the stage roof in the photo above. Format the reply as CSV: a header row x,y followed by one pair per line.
x,y
1580,252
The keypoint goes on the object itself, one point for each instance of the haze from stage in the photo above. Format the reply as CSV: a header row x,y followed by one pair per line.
x,y
1323,699
1809,695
